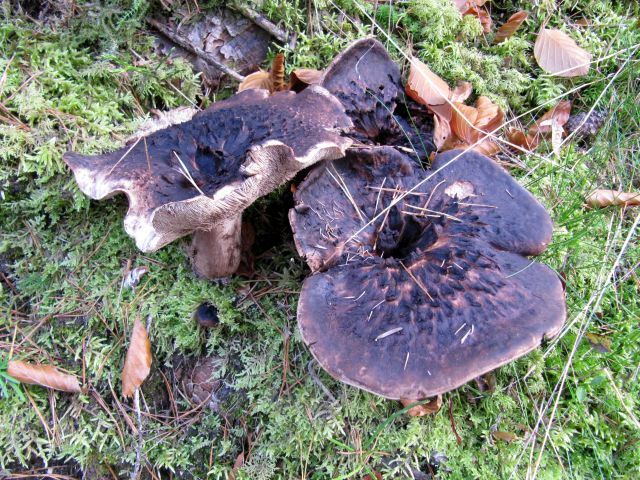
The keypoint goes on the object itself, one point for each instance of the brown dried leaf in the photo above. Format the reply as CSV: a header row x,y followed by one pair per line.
x,y
259,79
303,77
510,26
463,5
426,87
505,436
482,15
487,147
277,73
461,92
43,375
490,115
463,121
558,54
421,410
522,140
599,342
606,198
137,363
560,113
442,115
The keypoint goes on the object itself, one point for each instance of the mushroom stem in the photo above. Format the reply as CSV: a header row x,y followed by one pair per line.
x,y
216,253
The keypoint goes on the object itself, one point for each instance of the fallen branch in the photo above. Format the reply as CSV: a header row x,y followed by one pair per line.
x,y
178,39
264,23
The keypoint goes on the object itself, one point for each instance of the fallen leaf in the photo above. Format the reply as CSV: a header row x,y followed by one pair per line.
x,y
505,436
482,15
510,26
442,124
560,113
463,121
558,54
606,198
599,342
277,73
377,475
137,363
461,92
490,115
426,87
132,279
463,5
303,77
520,139
421,410
259,79
43,375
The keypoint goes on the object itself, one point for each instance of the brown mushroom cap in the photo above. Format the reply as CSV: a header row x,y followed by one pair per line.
x,y
234,152
367,82
435,291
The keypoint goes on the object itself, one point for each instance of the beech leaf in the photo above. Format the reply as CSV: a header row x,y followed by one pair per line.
x,y
259,79
461,92
137,363
421,410
43,375
442,123
482,15
426,87
607,198
560,113
510,26
463,121
557,53
520,139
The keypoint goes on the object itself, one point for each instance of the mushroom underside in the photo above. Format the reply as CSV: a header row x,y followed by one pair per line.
x,y
203,173
422,281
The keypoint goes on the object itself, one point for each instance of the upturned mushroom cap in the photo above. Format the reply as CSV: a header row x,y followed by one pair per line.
x,y
197,174
367,82
417,299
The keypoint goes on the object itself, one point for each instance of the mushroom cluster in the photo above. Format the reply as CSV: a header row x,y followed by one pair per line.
x,y
420,277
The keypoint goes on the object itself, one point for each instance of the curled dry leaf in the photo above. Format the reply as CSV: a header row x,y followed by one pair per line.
x,y
461,92
558,54
442,124
522,140
259,79
471,124
43,375
137,363
607,198
482,15
560,114
303,77
463,122
510,26
421,410
426,87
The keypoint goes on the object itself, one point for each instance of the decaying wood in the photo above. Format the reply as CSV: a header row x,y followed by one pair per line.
x,y
263,22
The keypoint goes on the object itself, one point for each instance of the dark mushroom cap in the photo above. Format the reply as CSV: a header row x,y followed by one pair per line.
x,y
367,82
436,290
235,151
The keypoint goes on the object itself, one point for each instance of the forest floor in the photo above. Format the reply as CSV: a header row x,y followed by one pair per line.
x,y
80,76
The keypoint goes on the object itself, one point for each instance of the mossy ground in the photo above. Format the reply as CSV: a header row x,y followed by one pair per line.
x,y
83,80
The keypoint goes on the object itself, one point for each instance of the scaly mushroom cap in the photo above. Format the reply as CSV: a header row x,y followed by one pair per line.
x,y
367,82
436,290
194,175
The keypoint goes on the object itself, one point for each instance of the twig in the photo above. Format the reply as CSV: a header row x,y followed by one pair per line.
x,y
453,423
264,23
184,43
316,380
136,406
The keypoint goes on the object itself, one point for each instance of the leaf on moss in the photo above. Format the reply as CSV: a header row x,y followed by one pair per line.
x,y
482,15
43,375
472,124
461,92
606,198
505,436
524,141
426,87
421,410
560,114
599,342
510,27
259,79
137,363
559,54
